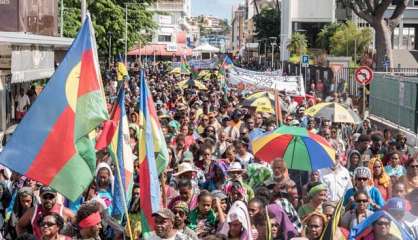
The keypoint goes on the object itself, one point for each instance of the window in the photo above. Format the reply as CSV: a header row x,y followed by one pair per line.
x,y
408,38
164,38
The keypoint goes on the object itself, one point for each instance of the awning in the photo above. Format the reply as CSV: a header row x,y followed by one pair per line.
x,y
162,50
206,48
21,38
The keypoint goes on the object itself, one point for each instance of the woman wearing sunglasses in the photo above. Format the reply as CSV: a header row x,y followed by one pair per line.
x,y
51,225
357,215
411,175
363,182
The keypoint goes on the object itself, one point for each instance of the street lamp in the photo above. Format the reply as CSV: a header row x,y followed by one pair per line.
x,y
273,44
110,47
126,30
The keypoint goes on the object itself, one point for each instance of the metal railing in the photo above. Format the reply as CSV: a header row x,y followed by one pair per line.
x,y
344,79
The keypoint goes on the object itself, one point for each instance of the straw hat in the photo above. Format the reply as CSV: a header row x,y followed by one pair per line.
x,y
236,167
183,168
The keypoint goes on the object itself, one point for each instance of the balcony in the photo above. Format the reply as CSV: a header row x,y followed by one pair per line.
x,y
168,6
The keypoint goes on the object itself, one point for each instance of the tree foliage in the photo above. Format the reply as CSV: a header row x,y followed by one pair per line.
x,y
373,12
298,44
267,23
108,17
324,36
348,39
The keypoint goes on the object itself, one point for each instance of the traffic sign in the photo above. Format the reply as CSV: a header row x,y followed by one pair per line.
x,y
305,60
364,75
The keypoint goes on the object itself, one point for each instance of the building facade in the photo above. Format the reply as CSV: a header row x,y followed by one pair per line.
x,y
29,49
171,19
238,29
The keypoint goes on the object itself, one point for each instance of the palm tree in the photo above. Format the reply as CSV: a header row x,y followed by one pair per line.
x,y
298,44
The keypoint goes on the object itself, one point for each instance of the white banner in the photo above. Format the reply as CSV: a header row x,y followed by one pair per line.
x,y
293,85
246,71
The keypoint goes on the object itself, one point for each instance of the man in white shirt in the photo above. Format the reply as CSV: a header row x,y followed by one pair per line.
x,y
23,103
337,179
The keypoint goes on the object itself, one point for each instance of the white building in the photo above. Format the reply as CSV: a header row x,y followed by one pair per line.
x,y
304,16
172,19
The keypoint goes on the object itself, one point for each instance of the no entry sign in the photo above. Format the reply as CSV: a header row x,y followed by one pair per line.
x,y
364,75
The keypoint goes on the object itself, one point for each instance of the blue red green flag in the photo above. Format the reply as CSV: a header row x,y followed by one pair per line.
x,y
50,145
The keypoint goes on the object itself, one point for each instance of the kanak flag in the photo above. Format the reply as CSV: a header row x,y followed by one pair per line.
x,y
153,156
115,135
50,145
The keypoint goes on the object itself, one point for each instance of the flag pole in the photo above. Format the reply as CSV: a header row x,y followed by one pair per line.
x,y
277,107
128,222
163,190
122,190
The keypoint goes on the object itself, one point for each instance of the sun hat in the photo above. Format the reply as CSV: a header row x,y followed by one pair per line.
x,y
183,168
236,167
165,213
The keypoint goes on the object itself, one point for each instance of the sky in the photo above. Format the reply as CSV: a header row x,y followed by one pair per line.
x,y
216,8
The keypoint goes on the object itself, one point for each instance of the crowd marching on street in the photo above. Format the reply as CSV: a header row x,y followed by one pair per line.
x,y
234,171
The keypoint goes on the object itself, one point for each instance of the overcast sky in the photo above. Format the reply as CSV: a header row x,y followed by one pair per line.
x,y
216,8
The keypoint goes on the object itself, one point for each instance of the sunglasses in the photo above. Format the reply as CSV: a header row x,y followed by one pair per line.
x,y
180,213
362,200
362,179
48,197
413,166
383,223
47,224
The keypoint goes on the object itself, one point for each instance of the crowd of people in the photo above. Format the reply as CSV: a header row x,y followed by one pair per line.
x,y
215,188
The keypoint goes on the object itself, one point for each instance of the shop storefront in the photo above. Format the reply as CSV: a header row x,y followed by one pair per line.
x,y
26,60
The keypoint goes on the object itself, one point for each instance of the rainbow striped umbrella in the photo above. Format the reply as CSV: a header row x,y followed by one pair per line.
x,y
299,148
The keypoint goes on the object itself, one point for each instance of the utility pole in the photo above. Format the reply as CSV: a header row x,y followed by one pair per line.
x,y
62,19
126,34
273,44
83,10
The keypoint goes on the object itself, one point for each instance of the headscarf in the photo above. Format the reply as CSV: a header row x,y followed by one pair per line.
x,y
287,229
17,208
384,178
111,177
238,211
318,188
352,152
237,185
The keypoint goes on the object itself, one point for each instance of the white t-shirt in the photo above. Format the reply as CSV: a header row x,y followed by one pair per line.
x,y
22,102
338,181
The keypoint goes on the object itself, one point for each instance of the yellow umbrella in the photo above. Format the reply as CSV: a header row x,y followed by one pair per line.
x,y
192,83
262,94
263,104
177,71
334,112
